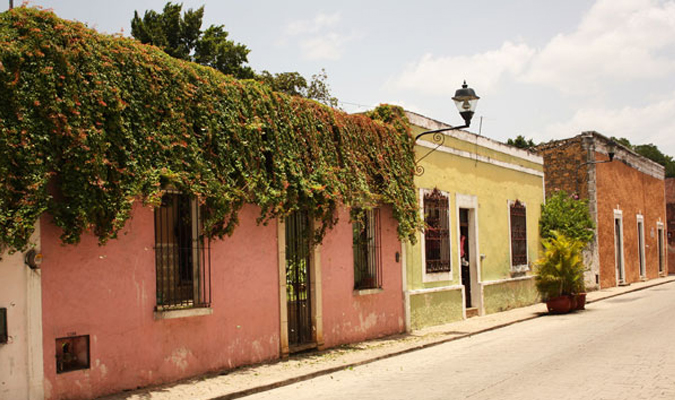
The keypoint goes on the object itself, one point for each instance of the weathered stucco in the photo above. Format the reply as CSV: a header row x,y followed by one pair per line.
x,y
108,292
436,307
502,296
670,226
21,372
351,316
620,186
490,174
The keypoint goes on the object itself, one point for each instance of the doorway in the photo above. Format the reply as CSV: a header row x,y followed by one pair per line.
x,y
660,247
465,254
298,280
467,240
618,249
641,246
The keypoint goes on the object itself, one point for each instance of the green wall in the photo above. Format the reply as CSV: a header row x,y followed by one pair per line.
x,y
510,294
435,308
468,168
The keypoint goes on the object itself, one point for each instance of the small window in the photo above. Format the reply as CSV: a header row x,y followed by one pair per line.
x,y
436,232
366,245
72,353
182,257
518,235
4,334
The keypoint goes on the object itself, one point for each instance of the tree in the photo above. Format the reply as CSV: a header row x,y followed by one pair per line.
x,y
291,83
521,143
567,215
181,36
296,85
652,152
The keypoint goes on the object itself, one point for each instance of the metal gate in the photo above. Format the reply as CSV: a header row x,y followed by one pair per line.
x,y
298,294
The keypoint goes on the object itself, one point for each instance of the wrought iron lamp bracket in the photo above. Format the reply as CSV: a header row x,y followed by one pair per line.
x,y
438,138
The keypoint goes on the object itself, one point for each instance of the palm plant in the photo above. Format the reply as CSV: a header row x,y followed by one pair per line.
x,y
561,270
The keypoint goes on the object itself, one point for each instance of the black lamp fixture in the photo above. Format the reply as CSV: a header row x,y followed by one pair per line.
x,y
611,151
466,100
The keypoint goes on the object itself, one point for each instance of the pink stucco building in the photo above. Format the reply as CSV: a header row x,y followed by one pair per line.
x,y
106,327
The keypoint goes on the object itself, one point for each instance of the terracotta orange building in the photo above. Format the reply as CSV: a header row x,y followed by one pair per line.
x,y
626,199
670,214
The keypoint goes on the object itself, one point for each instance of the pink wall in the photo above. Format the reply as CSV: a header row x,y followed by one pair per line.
x,y
349,317
108,292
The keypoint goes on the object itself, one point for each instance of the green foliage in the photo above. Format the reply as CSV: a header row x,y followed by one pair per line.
x,y
521,143
181,36
91,124
567,215
651,152
319,90
291,83
294,84
561,270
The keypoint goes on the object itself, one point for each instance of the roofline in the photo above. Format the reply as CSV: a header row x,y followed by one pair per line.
x,y
483,141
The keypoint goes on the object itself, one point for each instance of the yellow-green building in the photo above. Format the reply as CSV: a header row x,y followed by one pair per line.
x,y
481,202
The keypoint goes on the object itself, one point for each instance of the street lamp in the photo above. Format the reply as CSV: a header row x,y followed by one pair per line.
x,y
465,99
611,150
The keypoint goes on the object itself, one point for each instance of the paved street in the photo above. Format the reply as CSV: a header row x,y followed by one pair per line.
x,y
620,348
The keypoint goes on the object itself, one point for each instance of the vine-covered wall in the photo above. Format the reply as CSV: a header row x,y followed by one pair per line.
x,y
90,123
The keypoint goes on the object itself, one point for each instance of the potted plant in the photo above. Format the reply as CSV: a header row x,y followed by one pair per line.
x,y
560,273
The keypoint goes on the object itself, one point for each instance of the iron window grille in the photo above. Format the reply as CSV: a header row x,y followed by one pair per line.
x,y
436,232
182,254
366,246
518,234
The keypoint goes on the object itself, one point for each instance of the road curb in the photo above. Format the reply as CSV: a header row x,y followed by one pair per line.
x,y
631,290
328,371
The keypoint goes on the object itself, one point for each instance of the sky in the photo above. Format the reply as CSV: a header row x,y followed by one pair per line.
x,y
544,69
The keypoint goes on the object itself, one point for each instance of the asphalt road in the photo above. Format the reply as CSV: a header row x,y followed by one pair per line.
x,y
619,348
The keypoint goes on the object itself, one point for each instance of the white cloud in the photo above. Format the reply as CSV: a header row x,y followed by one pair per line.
x,y
439,75
326,47
615,41
318,38
641,125
318,23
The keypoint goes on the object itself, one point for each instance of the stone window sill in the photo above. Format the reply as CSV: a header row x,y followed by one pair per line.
x,y
366,292
183,313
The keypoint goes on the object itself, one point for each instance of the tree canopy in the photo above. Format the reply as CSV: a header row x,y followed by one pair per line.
x,y
651,152
179,35
567,215
91,124
294,84
521,143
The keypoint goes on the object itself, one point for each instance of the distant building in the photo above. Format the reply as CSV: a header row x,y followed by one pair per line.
x,y
670,217
626,200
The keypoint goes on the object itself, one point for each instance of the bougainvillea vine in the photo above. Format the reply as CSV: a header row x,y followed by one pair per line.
x,y
91,123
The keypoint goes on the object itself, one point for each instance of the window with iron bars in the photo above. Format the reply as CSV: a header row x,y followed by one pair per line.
x,y
517,213
182,254
436,232
366,245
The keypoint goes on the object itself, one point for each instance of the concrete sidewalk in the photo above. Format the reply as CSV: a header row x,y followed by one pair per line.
x,y
248,380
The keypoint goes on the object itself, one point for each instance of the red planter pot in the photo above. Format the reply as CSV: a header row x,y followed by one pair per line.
x,y
580,301
559,305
